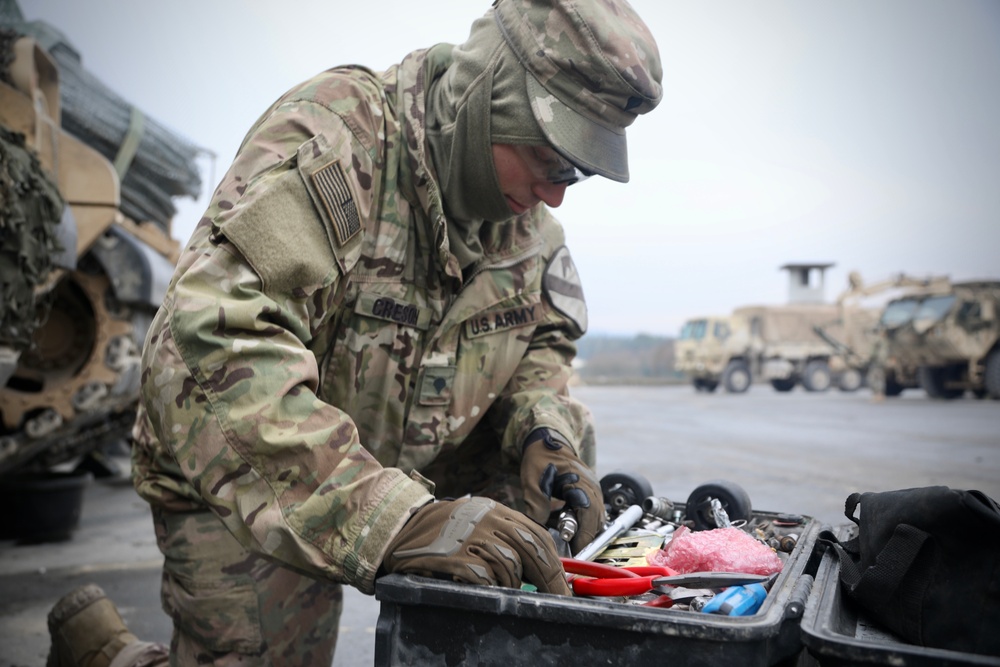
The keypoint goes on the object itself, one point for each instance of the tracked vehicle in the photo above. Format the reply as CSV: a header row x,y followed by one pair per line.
x,y
86,183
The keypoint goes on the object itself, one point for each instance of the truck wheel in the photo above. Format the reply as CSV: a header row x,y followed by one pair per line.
x,y
709,385
783,384
850,380
733,498
816,376
933,380
736,377
893,388
992,374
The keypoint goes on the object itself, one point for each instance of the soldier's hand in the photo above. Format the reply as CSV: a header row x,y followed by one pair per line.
x,y
479,541
551,469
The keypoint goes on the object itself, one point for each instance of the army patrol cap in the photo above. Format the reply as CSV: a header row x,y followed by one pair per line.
x,y
591,66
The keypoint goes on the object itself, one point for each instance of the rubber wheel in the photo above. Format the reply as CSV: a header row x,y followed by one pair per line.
x,y
709,385
622,489
933,380
783,384
850,380
733,498
816,377
992,374
893,388
736,377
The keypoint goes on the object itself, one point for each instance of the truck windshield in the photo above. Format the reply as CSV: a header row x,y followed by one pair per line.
x,y
898,313
935,307
694,330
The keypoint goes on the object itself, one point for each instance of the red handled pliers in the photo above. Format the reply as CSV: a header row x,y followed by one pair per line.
x,y
623,581
608,580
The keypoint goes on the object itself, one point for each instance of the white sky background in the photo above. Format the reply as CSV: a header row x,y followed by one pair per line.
x,y
860,132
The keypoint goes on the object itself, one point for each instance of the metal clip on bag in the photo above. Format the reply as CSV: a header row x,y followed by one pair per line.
x,y
925,565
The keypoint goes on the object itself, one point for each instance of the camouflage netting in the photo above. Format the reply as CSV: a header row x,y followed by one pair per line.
x,y
164,165
30,209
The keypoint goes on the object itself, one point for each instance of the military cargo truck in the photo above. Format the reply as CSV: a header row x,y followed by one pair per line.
x,y
86,249
700,350
944,338
775,343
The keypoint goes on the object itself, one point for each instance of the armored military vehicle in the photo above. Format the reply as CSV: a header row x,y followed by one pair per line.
x,y
855,333
86,183
775,343
944,338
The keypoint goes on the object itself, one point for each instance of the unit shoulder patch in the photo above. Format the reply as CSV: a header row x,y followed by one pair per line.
x,y
561,284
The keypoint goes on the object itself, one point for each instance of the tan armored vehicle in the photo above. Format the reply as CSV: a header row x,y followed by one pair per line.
x,y
86,253
944,338
775,343
855,333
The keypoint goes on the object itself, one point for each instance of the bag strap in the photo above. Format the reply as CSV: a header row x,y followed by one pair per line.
x,y
893,569
892,583
846,552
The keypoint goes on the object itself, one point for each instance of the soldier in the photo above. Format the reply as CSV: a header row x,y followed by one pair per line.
x,y
362,361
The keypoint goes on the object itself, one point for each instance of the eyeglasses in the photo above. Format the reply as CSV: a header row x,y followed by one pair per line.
x,y
545,163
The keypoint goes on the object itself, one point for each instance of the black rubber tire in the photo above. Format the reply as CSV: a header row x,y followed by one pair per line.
x,y
622,489
736,378
992,375
893,388
733,498
933,378
702,384
816,377
850,380
783,384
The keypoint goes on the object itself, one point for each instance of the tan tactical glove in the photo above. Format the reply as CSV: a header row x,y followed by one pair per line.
x,y
551,469
478,541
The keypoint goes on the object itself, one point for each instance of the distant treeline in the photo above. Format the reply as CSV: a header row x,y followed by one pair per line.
x,y
644,358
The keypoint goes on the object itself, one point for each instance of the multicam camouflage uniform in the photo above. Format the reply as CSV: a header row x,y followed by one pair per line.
x,y
322,365
318,343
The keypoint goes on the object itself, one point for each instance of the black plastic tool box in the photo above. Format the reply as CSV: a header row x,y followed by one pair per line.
x,y
430,622
836,634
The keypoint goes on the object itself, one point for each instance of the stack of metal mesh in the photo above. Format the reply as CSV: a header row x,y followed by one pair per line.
x,y
164,164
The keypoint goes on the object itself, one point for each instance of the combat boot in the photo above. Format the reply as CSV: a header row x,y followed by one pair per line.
x,y
86,630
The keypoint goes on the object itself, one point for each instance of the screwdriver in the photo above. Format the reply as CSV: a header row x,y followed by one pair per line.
x,y
742,600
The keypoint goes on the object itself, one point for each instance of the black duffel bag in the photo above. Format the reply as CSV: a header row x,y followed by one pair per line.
x,y
925,565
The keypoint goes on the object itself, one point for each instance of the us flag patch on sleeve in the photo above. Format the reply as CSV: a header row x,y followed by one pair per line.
x,y
331,186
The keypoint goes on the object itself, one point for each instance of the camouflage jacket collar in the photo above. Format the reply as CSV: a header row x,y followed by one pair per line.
x,y
406,88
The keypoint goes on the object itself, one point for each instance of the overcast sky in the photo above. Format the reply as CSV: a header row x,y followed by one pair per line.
x,y
859,132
